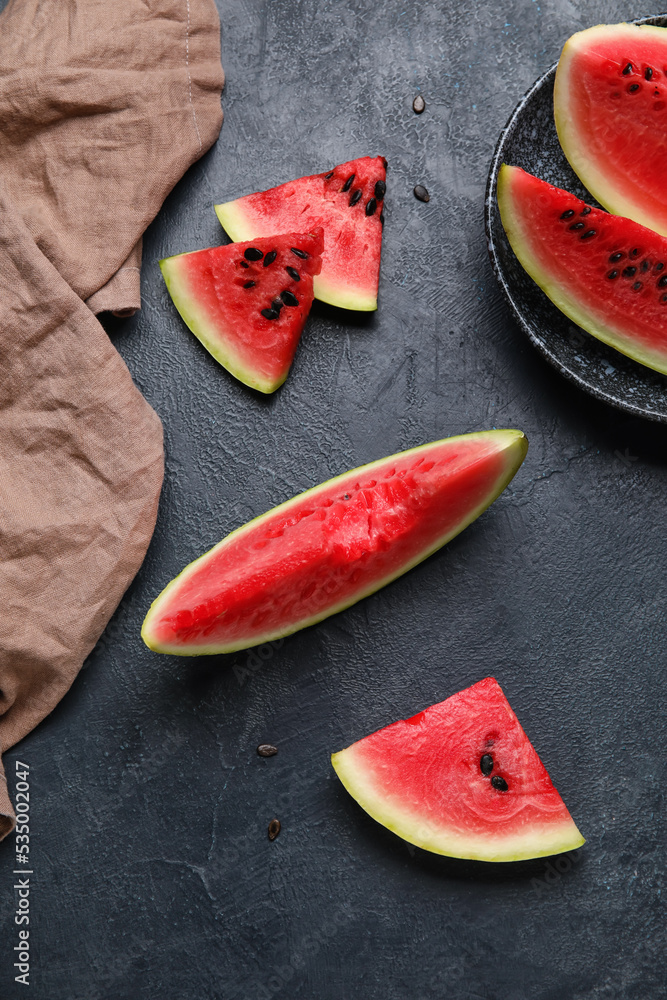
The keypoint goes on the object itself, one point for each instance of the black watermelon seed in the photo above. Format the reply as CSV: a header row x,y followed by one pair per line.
x,y
380,190
612,275
293,273
348,183
585,211
568,214
277,304
274,829
371,206
249,284
269,314
382,218
252,253
300,253
486,764
659,266
645,266
587,235
499,783
266,750
270,257
244,263
615,257
637,285
419,104
576,225
662,281
629,272
627,70
633,88
648,75
663,298
346,497
421,193
355,196
289,298
328,176
635,252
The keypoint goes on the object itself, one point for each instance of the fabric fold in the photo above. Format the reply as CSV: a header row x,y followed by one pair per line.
x,y
103,106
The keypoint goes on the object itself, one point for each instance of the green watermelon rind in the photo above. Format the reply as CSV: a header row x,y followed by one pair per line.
x,y
515,448
197,320
233,220
575,145
579,312
536,842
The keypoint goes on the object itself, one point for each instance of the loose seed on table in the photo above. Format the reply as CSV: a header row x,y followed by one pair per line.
x,y
421,193
270,257
252,253
293,273
274,829
419,104
267,750
499,783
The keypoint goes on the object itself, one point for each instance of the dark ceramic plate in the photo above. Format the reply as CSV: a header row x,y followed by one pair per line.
x,y
529,140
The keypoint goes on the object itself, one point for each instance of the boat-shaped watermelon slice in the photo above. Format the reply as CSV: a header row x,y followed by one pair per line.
x,y
347,201
608,274
327,548
610,106
248,302
461,779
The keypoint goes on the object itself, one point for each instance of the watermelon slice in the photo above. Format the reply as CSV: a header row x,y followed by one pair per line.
x,y
248,302
610,104
461,779
347,202
608,274
329,547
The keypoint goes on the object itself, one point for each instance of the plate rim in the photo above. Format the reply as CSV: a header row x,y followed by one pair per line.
x,y
490,212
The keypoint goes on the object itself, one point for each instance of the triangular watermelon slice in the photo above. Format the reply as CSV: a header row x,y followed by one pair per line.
x,y
347,202
248,302
461,779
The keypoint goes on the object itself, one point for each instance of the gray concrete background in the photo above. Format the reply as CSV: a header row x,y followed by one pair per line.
x,y
154,876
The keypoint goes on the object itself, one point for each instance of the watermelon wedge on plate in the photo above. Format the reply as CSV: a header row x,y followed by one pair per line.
x,y
461,779
327,548
608,274
347,202
610,106
248,302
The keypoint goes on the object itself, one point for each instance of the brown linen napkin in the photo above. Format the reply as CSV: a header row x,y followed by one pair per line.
x,y
103,106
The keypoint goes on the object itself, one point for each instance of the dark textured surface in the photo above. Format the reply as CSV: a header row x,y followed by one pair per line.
x,y
530,141
154,876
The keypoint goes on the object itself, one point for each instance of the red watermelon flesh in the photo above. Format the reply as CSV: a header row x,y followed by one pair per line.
x,y
248,302
327,548
461,779
608,274
347,202
610,106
